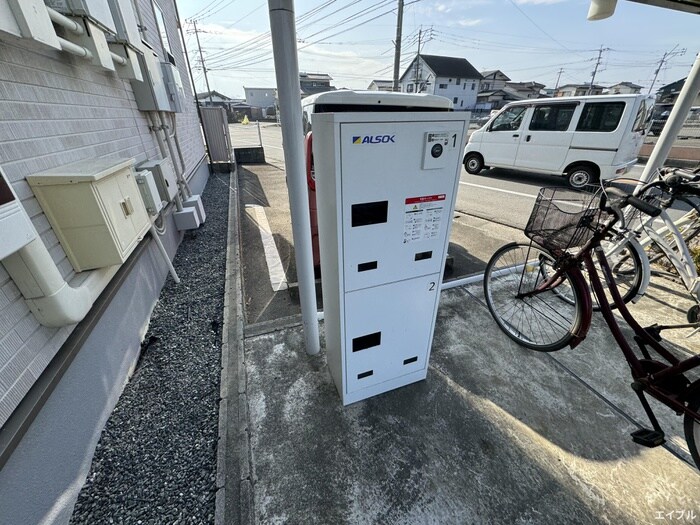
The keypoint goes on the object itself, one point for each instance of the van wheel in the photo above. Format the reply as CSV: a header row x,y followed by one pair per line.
x,y
473,163
581,176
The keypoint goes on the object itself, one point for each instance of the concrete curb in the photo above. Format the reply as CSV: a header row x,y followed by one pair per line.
x,y
234,496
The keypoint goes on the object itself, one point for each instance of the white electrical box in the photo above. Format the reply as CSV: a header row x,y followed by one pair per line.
x,y
173,85
125,22
149,192
195,201
95,209
130,70
28,19
151,93
164,175
16,229
386,185
95,40
187,219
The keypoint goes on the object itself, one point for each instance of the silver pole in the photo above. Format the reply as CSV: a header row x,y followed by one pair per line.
x,y
284,48
674,123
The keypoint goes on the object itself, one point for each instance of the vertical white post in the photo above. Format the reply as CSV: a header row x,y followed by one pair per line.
x,y
284,48
675,121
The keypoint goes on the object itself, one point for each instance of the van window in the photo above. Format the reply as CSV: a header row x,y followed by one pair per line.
x,y
552,117
640,121
600,116
510,119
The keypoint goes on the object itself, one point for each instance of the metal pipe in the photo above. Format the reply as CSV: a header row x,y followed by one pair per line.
x,y
675,122
259,134
165,255
173,135
155,128
63,21
118,59
284,48
74,49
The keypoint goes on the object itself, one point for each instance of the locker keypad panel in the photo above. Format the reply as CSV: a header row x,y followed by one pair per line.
x,y
396,204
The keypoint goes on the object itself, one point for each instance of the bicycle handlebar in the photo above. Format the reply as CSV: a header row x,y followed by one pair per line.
x,y
630,200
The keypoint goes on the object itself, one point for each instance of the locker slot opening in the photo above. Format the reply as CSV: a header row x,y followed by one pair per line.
x,y
422,256
365,374
363,267
410,360
369,213
366,341
5,192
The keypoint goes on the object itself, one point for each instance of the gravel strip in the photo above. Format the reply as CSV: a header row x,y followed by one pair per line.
x,y
156,459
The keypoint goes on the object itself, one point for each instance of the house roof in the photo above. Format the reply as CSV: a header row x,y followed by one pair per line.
x,y
314,76
595,86
508,94
493,73
525,85
382,82
627,84
451,67
673,86
201,96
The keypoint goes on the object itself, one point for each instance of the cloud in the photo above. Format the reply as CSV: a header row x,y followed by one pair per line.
x,y
443,8
470,22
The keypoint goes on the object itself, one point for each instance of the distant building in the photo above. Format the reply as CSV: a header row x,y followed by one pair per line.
x,y
526,89
381,85
496,99
578,90
260,97
668,94
450,77
493,80
624,88
312,83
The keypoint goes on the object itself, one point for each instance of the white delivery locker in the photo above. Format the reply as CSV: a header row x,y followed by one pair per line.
x,y
386,186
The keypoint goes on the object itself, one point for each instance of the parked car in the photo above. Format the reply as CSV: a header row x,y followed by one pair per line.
x,y
584,139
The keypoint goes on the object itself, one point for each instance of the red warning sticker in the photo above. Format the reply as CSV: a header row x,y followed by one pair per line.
x,y
426,198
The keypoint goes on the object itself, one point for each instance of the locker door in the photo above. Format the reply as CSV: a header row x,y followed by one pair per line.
x,y
388,330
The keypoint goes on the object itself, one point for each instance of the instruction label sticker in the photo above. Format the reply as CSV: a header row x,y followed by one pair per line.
x,y
422,217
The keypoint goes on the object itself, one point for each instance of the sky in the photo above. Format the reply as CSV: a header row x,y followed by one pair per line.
x,y
529,40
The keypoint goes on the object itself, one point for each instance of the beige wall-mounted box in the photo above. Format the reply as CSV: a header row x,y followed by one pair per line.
x,y
95,209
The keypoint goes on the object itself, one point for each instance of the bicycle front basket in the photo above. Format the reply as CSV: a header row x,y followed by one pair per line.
x,y
563,219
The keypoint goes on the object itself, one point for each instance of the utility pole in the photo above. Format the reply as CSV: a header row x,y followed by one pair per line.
x,y
397,52
418,61
201,58
664,59
595,70
556,86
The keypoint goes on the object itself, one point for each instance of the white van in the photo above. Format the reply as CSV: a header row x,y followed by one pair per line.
x,y
583,138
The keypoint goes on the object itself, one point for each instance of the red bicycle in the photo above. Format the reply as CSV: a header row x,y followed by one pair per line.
x,y
540,298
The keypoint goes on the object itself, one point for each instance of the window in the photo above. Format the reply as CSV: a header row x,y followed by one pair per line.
x,y
454,100
601,116
473,85
461,103
464,86
487,86
409,88
508,120
641,121
552,117
160,22
457,81
442,86
449,80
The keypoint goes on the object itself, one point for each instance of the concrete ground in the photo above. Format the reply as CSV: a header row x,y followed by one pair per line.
x,y
495,434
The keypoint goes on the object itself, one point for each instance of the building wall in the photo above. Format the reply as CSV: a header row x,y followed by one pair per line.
x,y
56,109
465,92
260,97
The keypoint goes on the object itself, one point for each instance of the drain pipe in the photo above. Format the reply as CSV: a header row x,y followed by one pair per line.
x,y
50,298
171,135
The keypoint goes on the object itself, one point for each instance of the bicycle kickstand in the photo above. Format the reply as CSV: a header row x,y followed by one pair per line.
x,y
644,436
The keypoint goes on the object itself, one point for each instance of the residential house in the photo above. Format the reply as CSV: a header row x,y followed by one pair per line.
x,y
312,83
214,98
260,97
60,380
578,90
624,88
527,89
450,77
381,85
493,80
496,99
668,94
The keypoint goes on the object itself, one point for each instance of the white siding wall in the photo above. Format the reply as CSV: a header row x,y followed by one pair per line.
x,y
260,97
56,109
465,95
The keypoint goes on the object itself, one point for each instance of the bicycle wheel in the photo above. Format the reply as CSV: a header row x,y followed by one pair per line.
x,y
626,265
692,429
544,321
